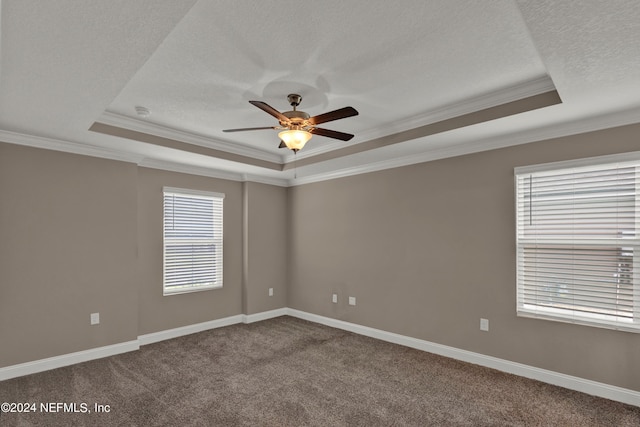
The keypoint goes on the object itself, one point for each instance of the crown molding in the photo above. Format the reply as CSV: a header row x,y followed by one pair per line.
x,y
491,99
140,160
610,120
67,146
501,96
593,124
125,122
210,172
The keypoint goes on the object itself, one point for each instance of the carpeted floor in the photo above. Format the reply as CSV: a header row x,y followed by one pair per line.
x,y
289,372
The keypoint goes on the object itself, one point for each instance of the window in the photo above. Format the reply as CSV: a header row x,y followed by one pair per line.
x,y
578,249
192,241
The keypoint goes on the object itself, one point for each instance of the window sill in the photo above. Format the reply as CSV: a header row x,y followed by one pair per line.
x,y
190,289
556,315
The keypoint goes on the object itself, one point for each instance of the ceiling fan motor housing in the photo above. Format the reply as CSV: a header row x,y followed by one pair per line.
x,y
296,118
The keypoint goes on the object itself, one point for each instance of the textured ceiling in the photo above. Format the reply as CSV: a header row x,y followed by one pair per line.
x,y
429,79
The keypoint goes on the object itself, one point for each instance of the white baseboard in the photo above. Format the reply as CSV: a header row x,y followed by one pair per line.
x,y
66,360
42,365
190,329
258,317
594,388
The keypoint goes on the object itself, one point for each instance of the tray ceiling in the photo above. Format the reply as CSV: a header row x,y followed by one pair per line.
x,y
429,79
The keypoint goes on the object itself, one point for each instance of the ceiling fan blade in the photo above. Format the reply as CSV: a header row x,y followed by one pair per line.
x,y
333,115
269,109
331,134
282,144
244,129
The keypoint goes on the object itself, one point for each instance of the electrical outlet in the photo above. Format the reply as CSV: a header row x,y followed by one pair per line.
x,y
484,324
95,318
334,298
352,300
270,292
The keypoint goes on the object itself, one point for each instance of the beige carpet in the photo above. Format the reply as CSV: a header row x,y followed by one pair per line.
x,y
289,372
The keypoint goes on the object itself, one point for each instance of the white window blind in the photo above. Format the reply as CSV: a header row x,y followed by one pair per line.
x,y
578,250
192,240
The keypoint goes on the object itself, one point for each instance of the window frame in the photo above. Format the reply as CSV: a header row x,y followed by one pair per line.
x,y
216,240
573,315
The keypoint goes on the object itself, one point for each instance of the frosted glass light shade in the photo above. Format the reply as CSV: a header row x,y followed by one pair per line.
x,y
295,139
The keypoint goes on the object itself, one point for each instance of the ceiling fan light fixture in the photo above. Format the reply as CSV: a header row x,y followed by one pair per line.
x,y
297,126
295,139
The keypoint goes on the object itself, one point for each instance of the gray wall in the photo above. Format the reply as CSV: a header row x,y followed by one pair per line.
x,y
266,248
67,249
429,249
80,235
158,312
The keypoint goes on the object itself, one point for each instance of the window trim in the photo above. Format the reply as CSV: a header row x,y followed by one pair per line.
x,y
569,316
218,242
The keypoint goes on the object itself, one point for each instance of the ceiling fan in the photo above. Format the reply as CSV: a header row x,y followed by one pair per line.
x,y
297,127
